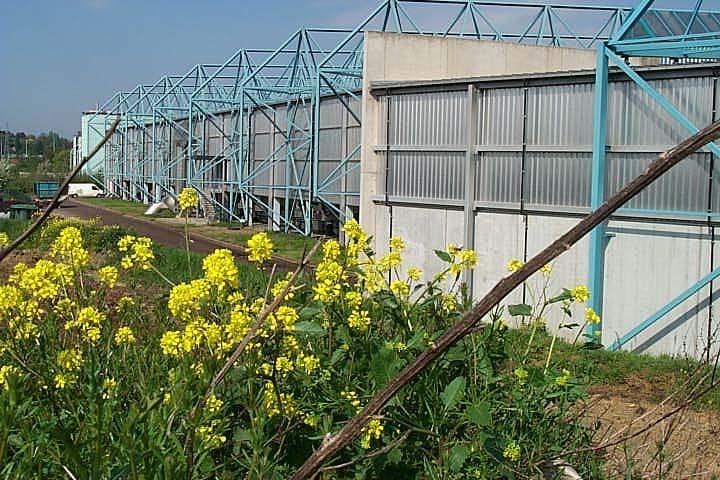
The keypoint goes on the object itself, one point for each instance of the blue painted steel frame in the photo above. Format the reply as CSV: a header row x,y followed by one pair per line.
x,y
612,51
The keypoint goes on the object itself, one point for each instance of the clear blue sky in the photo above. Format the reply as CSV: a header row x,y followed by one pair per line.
x,y
60,57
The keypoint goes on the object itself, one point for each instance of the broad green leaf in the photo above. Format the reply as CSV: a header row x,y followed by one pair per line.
x,y
458,455
521,309
395,455
565,295
309,311
444,256
453,393
479,414
309,328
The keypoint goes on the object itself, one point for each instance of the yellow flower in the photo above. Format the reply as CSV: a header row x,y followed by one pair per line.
x,y
70,359
213,403
7,371
124,303
397,244
207,436
521,374
512,451
260,248
309,363
188,198
562,380
4,239
400,288
272,407
108,276
546,269
328,276
353,298
171,343
186,298
514,265
448,302
125,243
108,387
580,293
220,269
414,274
373,430
591,316
68,246
353,230
359,320
124,336
284,318
352,397
63,379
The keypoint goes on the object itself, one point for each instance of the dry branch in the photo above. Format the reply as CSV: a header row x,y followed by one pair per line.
x,y
55,201
466,324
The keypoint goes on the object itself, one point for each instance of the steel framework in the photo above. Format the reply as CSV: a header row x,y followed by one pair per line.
x,y
277,131
673,35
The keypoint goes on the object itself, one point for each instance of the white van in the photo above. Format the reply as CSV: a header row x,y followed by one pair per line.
x,y
87,190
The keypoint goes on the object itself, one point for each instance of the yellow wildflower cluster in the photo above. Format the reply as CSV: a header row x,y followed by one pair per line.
x,y
213,404
591,316
514,265
414,274
4,240
68,247
563,379
208,437
284,318
521,374
356,241
359,320
373,430
7,371
329,274
70,360
448,302
352,397
43,280
220,269
188,198
124,336
580,293
285,406
462,259
398,346
108,388
138,252
109,276
400,288
260,248
87,322
124,304
512,451
186,299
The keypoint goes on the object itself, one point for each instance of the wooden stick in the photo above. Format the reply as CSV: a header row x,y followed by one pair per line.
x,y
4,252
466,324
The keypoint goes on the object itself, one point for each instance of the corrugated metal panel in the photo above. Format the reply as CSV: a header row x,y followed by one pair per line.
x,y
635,119
428,119
683,188
558,179
500,114
330,143
433,175
560,115
498,178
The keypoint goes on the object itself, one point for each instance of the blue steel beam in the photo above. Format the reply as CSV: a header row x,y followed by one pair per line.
x,y
669,307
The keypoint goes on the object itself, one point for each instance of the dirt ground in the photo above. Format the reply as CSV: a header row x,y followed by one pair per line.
x,y
682,446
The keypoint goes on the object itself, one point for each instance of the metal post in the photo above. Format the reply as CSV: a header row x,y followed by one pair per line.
x,y
597,186
471,116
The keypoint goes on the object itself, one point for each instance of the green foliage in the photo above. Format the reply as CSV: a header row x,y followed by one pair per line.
x,y
122,410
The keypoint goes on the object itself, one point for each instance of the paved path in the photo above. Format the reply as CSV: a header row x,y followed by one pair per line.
x,y
158,232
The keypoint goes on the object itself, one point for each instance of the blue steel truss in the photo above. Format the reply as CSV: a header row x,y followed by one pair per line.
x,y
194,129
679,35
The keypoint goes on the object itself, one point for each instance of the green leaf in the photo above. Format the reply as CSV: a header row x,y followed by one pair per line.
x,y
395,455
458,455
453,393
521,309
309,328
565,295
310,311
479,414
338,355
444,256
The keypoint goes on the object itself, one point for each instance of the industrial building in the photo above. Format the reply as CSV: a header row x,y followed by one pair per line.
x,y
488,124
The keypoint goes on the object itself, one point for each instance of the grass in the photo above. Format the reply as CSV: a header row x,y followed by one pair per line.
x,y
127,207
287,245
647,376
13,227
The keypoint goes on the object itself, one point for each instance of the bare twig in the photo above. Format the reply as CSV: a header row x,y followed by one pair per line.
x,y
55,201
249,336
466,324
